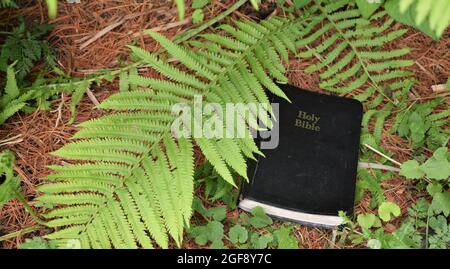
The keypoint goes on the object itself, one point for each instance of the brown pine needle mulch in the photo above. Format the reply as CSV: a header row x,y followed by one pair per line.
x,y
94,34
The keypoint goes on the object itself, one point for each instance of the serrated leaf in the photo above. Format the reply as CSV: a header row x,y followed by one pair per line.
x,y
366,221
438,166
238,234
285,239
434,188
259,219
411,169
218,244
387,209
441,203
215,231
260,242
217,213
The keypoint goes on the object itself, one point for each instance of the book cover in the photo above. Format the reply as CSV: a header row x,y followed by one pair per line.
x,y
311,174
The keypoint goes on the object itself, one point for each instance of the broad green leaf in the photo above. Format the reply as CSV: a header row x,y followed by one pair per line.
x,y
259,219
215,231
285,239
441,203
238,234
211,232
260,242
217,213
366,221
434,188
438,166
408,17
387,209
218,244
411,169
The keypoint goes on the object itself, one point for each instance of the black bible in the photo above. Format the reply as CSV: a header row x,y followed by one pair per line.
x,y
310,176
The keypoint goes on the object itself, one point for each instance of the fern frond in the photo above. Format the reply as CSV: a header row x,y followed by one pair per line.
x,y
358,59
133,183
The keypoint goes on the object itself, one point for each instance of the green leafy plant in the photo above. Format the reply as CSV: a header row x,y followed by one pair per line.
x,y
430,17
215,186
423,125
24,46
426,224
38,243
125,150
198,5
8,3
374,235
358,59
10,184
437,170
254,231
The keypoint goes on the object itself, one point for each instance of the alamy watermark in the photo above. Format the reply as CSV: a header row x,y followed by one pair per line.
x,y
232,120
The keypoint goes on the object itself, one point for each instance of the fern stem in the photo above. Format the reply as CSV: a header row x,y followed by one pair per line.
x,y
382,154
29,209
360,59
20,232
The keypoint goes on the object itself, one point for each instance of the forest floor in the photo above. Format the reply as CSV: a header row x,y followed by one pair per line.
x,y
82,50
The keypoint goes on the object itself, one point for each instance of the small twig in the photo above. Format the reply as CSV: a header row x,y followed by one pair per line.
x,y
12,140
378,166
59,110
382,154
163,27
92,97
439,88
20,232
111,27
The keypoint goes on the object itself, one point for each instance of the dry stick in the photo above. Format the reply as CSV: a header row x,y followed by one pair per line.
x,y
12,140
59,110
382,154
20,232
111,27
179,39
92,97
378,166
163,28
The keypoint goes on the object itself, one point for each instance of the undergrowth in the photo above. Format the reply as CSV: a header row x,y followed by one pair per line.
x,y
129,184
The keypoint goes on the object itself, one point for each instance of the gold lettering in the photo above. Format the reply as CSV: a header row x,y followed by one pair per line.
x,y
307,121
